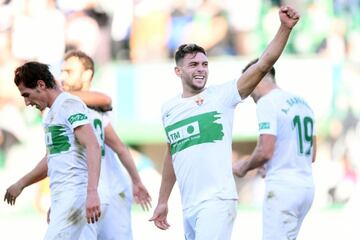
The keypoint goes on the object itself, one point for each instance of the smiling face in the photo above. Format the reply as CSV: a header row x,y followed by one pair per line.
x,y
34,96
193,71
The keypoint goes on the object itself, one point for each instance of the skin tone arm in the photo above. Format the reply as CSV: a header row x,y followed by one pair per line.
x,y
261,154
167,184
38,173
86,137
141,194
252,76
94,99
314,149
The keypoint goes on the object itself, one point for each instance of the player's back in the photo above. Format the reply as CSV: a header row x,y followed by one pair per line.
x,y
295,128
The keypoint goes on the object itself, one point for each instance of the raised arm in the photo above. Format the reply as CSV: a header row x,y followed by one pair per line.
x,y
38,173
93,99
252,76
167,183
86,137
141,195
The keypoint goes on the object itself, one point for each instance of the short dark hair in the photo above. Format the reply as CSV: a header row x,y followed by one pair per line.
x,y
29,73
85,59
271,71
187,49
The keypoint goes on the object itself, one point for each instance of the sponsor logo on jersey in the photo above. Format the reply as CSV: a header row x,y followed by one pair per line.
x,y
77,117
264,125
194,130
56,139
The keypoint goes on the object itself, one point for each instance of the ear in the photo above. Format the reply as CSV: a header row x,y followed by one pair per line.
x,y
87,76
177,71
41,84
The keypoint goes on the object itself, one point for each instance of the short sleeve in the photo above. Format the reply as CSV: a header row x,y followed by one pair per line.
x,y
228,93
75,112
266,115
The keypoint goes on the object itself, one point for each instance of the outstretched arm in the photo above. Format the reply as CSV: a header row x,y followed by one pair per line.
x,y
141,194
35,175
261,154
167,183
96,100
252,76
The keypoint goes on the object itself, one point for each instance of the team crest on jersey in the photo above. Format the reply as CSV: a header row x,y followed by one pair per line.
x,y
199,100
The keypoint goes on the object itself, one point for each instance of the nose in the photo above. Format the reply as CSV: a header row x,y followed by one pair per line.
x,y
27,101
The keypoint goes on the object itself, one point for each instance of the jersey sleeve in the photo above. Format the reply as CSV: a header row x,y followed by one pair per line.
x,y
106,119
267,119
75,113
229,94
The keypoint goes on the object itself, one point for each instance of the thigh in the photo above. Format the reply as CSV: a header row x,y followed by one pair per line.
x,y
116,222
284,209
215,220
67,218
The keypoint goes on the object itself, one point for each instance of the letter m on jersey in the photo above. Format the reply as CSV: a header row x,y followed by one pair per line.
x,y
193,131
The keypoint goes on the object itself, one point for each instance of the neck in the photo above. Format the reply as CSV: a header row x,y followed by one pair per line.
x,y
53,93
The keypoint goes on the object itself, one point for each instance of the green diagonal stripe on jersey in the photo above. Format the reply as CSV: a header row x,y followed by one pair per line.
x,y
77,117
194,130
56,140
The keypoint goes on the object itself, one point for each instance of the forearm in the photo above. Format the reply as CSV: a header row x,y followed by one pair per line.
x,y
167,181
257,159
93,99
38,173
274,49
128,162
93,162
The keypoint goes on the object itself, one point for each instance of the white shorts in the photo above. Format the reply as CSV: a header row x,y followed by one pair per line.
x,y
115,220
67,218
284,210
212,219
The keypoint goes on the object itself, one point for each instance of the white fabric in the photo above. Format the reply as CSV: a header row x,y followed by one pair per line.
x,y
199,130
67,218
67,165
284,210
285,115
214,220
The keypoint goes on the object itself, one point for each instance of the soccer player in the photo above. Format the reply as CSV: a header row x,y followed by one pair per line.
x,y
287,148
198,124
114,188
72,161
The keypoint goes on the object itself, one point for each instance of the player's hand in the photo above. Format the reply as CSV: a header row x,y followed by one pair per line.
x,y
93,211
288,16
159,217
261,171
12,193
142,196
239,169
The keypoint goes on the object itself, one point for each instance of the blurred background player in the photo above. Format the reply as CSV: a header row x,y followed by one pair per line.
x,y
73,156
287,148
115,190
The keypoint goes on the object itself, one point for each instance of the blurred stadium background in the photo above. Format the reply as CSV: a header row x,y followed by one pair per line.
x,y
132,42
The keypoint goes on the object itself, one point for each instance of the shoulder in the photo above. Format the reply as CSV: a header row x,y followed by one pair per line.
x,y
170,103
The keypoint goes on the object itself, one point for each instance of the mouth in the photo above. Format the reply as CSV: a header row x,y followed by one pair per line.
x,y
199,78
